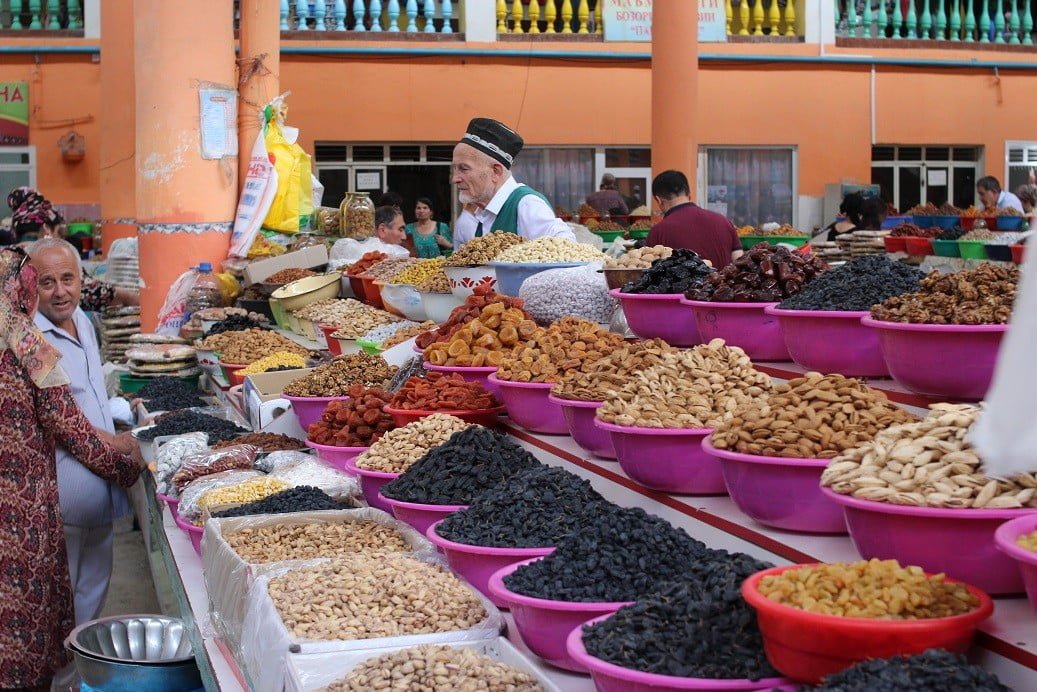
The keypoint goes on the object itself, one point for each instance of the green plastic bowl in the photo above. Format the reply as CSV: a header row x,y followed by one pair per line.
x,y
946,248
794,240
638,235
973,249
608,236
87,228
369,347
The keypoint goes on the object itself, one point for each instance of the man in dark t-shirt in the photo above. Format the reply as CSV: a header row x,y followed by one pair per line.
x,y
687,225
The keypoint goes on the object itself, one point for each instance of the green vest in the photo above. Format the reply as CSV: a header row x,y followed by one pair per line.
x,y
507,217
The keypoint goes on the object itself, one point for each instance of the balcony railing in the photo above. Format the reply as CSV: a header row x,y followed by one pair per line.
x,y
773,18
41,15
1007,22
370,16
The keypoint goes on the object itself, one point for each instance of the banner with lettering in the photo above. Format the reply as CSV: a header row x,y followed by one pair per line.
x,y
631,20
14,113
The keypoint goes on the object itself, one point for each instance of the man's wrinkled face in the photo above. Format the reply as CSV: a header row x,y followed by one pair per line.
x,y
59,284
475,175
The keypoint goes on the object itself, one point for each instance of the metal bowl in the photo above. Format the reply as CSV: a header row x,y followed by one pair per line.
x,y
133,639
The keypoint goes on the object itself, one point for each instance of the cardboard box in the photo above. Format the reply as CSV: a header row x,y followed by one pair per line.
x,y
268,385
263,404
307,258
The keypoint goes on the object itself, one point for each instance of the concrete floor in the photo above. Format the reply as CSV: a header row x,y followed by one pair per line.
x,y
132,590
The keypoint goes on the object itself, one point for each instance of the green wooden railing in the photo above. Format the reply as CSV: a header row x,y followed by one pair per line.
x,y
40,15
1008,22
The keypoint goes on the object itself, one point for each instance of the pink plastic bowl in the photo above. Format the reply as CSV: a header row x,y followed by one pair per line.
x,y
659,315
336,457
543,624
831,341
779,492
944,361
477,563
309,409
419,516
193,532
172,502
958,542
579,416
1005,537
745,325
529,405
668,459
608,677
371,483
480,375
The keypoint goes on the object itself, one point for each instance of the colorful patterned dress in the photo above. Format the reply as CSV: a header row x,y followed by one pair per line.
x,y
35,595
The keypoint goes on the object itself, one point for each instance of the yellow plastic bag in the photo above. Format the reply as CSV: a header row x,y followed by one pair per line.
x,y
293,180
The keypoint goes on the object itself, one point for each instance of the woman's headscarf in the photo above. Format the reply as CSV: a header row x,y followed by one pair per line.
x,y
30,210
18,294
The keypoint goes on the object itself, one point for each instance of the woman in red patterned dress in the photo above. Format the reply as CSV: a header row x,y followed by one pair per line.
x,y
36,410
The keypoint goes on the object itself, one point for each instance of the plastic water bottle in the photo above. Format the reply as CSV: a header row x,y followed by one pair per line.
x,y
206,291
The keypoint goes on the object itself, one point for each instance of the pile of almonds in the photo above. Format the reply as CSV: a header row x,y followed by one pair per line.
x,y
567,345
597,380
400,448
282,542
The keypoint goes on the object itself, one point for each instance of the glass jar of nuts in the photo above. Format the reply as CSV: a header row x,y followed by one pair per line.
x,y
357,216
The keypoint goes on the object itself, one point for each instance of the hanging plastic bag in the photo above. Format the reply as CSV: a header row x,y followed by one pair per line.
x,y
173,314
256,197
293,168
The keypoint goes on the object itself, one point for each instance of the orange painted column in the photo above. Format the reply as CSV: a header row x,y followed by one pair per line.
x,y
185,204
118,179
259,31
675,80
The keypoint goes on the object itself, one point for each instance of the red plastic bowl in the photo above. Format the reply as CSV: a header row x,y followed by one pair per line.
x,y
1018,253
808,646
957,542
371,483
579,417
334,347
193,532
608,677
487,417
419,516
230,372
372,294
309,409
357,284
667,459
745,325
529,405
969,222
544,624
171,502
1005,538
897,244
918,246
779,492
659,315
480,374
943,361
336,457
831,341
477,563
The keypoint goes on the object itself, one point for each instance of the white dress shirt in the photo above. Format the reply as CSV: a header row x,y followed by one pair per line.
x,y
535,218
86,500
1008,200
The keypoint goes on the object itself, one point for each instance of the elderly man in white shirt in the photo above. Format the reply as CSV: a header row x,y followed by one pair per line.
x,y
988,188
88,503
482,172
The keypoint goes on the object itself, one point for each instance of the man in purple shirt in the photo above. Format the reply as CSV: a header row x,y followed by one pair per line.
x,y
686,225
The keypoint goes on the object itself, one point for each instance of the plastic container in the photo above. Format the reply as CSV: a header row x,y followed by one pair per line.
x,y
419,516
808,646
999,253
794,240
438,306
609,236
171,502
608,677
938,221
1008,223
403,300
298,294
831,341
958,542
371,483
369,347
780,492
745,325
1018,253
336,457
972,249
544,624
357,216
946,248
463,280
529,406
193,532
510,275
372,294
579,417
486,417
1005,538
943,361
357,285
893,221
469,374
230,372
659,315
309,409
637,234
206,290
897,244
918,246
129,384
670,460
969,222
477,563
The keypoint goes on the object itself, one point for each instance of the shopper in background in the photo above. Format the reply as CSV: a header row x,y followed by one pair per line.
x,y
1027,195
481,170
607,200
850,209
871,214
634,200
36,411
391,199
389,226
994,198
32,215
431,238
687,225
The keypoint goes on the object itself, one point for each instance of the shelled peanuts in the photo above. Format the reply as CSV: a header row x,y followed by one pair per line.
x,y
929,463
419,271
240,493
482,250
283,542
548,353
362,597
335,378
597,380
694,388
641,258
483,340
442,392
878,589
400,448
811,417
548,249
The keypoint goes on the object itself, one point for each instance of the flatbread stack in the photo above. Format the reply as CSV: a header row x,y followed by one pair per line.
x,y
123,265
867,243
118,326
830,251
155,355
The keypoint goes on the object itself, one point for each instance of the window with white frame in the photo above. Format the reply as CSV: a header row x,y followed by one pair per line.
x,y
17,168
564,175
1020,165
750,185
910,175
